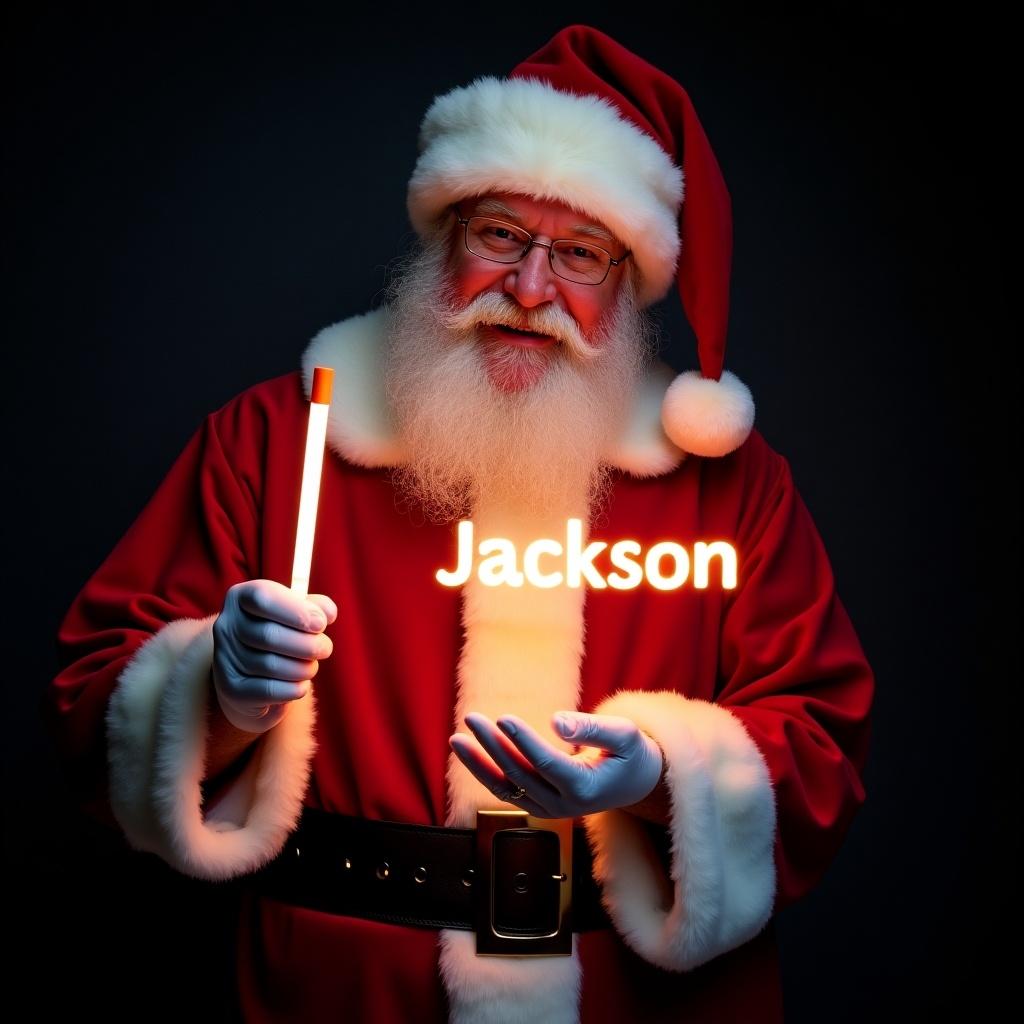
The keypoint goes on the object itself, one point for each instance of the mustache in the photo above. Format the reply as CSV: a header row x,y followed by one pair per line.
x,y
495,309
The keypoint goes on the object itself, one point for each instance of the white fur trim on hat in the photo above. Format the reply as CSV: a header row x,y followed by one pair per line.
x,y
156,737
722,885
521,135
708,417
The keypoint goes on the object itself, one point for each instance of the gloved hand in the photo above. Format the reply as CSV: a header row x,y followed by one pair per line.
x,y
620,765
267,643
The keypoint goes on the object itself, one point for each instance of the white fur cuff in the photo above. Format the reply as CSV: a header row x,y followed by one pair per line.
x,y
722,886
156,737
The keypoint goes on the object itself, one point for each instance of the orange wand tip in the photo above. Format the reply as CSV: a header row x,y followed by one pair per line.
x,y
323,381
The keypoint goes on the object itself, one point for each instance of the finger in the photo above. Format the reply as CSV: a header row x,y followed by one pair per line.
x,y
268,599
502,750
262,664
329,608
250,718
560,770
508,758
266,635
256,691
482,768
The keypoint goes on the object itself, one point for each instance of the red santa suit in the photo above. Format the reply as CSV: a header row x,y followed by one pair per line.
x,y
759,696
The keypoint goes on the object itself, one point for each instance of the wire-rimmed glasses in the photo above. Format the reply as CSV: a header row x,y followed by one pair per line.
x,y
581,262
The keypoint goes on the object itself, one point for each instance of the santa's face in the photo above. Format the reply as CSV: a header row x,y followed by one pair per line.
x,y
529,295
482,418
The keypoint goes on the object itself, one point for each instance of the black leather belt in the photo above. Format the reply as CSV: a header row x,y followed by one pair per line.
x,y
431,877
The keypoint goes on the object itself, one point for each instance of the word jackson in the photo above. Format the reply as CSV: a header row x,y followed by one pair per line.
x,y
500,562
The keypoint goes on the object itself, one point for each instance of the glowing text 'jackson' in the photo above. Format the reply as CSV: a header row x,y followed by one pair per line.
x,y
571,564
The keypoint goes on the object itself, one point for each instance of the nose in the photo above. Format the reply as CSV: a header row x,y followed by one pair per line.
x,y
531,280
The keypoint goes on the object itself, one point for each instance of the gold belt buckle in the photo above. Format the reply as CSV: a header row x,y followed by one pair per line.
x,y
544,878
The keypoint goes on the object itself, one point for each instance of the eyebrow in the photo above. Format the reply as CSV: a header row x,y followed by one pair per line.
x,y
494,207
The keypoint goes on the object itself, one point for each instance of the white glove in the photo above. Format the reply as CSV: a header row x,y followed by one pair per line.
x,y
621,767
267,643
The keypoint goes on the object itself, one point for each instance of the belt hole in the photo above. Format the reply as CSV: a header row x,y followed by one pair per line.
x,y
383,869
467,877
420,874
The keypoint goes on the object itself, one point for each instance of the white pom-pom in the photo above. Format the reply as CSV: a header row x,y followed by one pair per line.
x,y
707,417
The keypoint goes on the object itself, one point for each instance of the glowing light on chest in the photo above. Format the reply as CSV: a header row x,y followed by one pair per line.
x,y
666,565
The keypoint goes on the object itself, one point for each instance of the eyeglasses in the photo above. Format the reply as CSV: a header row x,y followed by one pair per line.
x,y
571,259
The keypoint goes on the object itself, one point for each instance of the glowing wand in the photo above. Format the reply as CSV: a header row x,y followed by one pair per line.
x,y
316,434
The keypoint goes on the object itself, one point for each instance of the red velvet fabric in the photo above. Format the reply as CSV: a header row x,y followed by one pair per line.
x,y
779,652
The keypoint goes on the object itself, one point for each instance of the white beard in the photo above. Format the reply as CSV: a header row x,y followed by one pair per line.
x,y
537,451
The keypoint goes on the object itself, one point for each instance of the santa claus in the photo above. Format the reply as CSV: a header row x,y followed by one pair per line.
x,y
669,770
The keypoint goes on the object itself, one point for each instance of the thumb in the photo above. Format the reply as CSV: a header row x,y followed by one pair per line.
x,y
609,732
566,724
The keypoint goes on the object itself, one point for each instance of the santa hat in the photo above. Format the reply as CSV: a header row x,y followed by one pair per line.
x,y
587,123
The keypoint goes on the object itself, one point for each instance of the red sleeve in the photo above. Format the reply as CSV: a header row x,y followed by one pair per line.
x,y
796,676
192,541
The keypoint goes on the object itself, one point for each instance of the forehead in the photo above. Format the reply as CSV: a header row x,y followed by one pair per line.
x,y
530,213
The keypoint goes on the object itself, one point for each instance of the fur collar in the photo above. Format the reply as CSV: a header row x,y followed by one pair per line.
x,y
359,427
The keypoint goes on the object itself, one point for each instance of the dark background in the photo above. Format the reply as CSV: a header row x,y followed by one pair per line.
x,y
192,197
